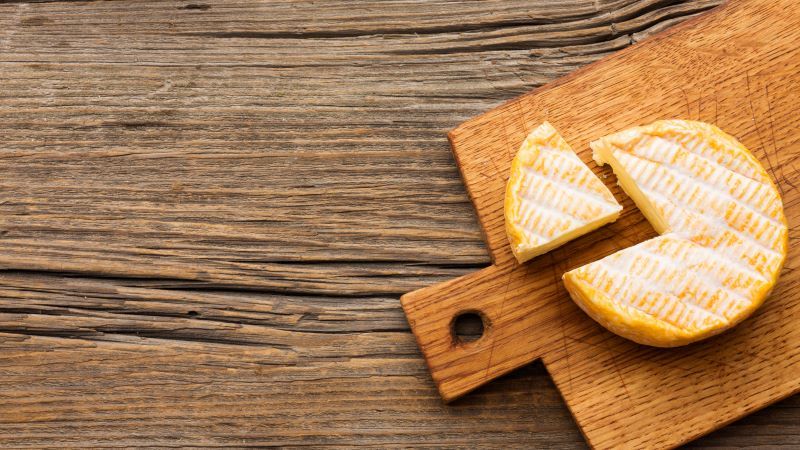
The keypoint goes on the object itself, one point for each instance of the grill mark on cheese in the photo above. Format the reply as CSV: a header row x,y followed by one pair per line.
x,y
648,257
683,289
723,242
689,312
552,193
735,250
709,262
706,289
712,176
704,214
552,196
544,222
569,172
740,250
724,151
660,305
668,277
713,185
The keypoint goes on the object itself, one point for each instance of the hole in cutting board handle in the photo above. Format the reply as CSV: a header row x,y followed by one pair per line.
x,y
468,327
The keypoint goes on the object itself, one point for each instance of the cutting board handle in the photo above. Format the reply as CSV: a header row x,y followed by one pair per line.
x,y
515,331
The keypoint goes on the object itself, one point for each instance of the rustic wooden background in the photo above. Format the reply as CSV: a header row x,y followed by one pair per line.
x,y
208,211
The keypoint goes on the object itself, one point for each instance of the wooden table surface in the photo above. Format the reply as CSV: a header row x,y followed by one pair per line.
x,y
208,212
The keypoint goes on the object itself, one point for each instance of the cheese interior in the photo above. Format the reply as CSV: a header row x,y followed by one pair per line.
x,y
723,236
552,196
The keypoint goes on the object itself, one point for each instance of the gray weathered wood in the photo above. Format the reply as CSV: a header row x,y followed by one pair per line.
x,y
209,209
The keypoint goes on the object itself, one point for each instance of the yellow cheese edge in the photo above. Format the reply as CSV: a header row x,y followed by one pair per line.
x,y
521,251
619,319
629,323
639,327
602,155
525,253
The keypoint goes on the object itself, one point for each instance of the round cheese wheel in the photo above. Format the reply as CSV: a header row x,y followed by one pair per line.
x,y
723,236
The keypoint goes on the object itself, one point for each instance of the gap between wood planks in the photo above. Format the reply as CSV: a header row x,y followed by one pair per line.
x,y
376,278
169,359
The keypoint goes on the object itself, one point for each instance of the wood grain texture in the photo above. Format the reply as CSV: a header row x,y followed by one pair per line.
x,y
737,68
208,211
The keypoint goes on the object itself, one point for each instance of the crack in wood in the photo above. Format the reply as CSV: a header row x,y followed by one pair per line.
x,y
209,209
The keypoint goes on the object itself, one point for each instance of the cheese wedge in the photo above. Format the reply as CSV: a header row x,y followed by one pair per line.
x,y
723,236
552,196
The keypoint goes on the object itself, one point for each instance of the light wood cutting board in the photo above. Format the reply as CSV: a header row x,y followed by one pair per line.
x,y
737,67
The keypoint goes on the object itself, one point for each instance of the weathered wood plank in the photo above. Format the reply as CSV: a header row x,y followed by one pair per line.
x,y
206,394
310,372
158,147
208,211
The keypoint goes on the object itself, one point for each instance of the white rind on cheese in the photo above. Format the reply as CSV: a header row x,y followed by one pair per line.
x,y
552,196
724,236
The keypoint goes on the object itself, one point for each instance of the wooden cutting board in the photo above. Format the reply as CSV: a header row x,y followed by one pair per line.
x,y
737,67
